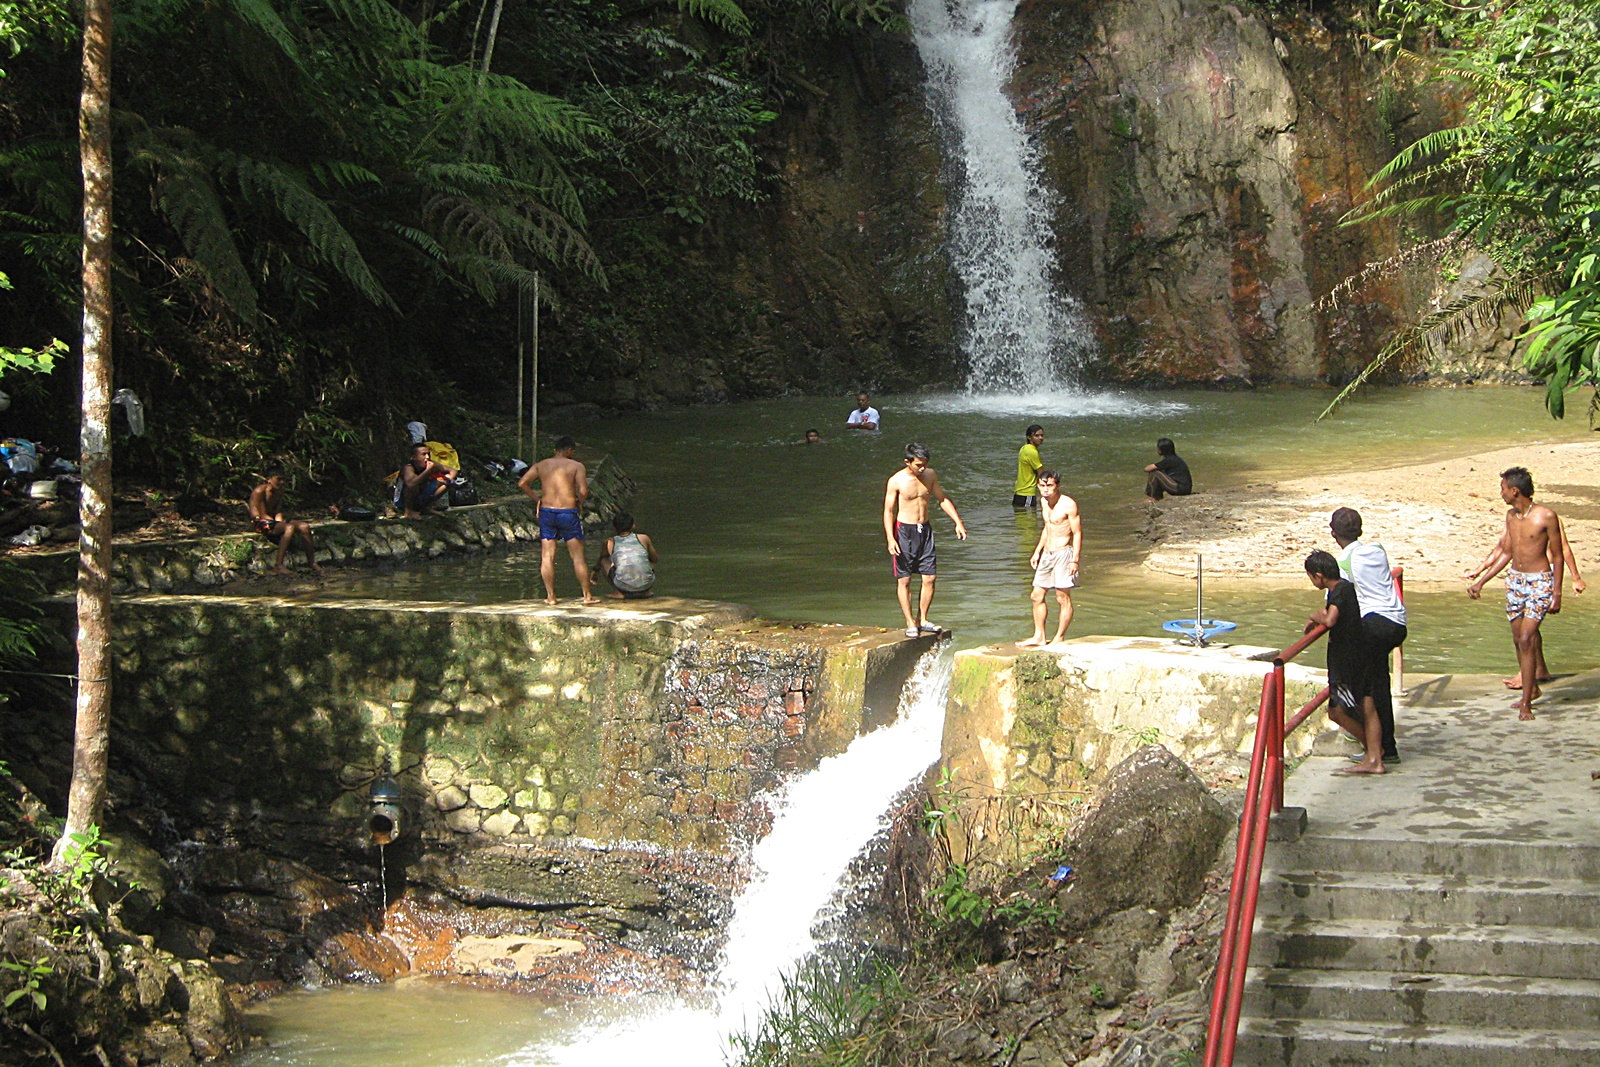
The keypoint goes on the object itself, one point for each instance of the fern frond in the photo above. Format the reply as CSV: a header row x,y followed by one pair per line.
x,y
418,239
1424,147
275,185
1444,326
1384,268
263,16
187,195
724,13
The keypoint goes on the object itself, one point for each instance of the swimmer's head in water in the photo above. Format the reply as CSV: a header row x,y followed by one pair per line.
x,y
812,436
862,401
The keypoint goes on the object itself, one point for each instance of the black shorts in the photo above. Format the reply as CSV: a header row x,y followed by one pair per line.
x,y
916,549
1025,501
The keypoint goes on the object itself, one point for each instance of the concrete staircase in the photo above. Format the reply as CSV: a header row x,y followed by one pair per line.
x,y
1432,926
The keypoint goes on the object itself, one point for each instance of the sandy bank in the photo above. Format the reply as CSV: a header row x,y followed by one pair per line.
x,y
1434,518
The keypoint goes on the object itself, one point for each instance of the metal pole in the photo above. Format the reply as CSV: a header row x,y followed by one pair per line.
x,y
1199,601
521,361
533,407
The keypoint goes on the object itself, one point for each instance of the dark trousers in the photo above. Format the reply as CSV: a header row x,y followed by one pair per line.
x,y
1383,637
1161,483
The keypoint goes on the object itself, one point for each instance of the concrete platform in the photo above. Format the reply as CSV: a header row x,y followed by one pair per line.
x,y
1447,913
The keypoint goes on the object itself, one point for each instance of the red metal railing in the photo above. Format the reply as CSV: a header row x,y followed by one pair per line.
x,y
1263,798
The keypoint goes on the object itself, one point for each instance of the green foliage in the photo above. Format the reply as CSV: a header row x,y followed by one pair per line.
x,y
31,976
821,1015
65,886
1519,176
39,360
955,902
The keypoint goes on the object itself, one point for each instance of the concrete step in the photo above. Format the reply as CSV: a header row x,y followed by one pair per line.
x,y
1414,948
1325,849
1307,1043
1431,898
1423,1000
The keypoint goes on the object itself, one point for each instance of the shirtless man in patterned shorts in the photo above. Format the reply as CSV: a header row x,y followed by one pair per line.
x,y
1533,584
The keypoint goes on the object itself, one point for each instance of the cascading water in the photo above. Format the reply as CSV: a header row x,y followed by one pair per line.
x,y
1023,335
822,822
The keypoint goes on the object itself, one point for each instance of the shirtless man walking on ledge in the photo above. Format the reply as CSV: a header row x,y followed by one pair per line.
x,y
1533,585
910,534
563,487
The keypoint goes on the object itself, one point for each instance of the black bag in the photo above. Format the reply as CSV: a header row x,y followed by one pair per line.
x,y
463,494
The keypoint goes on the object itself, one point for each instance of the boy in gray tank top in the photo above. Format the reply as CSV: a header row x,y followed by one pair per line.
x,y
628,561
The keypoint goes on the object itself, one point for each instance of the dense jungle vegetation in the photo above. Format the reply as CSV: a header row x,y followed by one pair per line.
x,y
328,211
1518,175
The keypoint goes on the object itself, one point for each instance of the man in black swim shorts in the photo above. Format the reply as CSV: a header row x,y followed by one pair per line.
x,y
910,535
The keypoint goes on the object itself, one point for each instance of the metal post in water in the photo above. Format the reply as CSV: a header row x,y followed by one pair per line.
x,y
533,426
521,362
1199,601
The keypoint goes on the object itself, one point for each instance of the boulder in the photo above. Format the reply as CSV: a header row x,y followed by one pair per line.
x,y
1148,843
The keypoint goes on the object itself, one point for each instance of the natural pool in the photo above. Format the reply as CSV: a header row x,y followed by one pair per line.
x,y
742,513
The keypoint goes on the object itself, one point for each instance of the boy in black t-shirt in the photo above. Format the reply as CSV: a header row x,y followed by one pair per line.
x,y
1349,686
1168,474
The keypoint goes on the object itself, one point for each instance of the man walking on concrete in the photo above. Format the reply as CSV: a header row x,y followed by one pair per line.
x,y
1383,616
910,534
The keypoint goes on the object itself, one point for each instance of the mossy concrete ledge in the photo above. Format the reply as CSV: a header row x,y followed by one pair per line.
x,y
1048,723
659,721
197,564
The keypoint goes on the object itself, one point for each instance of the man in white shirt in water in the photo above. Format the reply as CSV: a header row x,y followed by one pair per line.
x,y
865,416
1383,616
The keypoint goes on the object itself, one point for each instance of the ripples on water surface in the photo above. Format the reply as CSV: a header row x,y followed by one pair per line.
x,y
742,513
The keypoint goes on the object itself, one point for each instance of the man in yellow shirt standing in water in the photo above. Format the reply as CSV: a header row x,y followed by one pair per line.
x,y
1026,494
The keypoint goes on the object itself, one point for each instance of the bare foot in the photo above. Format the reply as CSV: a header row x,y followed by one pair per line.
x,y
591,601
1524,713
1058,642
1032,642
552,601
1363,768
284,571
318,571
1515,681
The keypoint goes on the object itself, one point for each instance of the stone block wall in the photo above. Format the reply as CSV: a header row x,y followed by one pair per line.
x,y
1046,724
202,563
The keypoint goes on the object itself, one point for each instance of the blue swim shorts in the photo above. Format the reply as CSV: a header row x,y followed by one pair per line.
x,y
560,524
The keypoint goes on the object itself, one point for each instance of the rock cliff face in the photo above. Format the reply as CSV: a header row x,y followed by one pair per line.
x,y
1203,153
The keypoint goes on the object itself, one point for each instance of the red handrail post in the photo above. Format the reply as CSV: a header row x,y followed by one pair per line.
x,y
1241,863
1279,738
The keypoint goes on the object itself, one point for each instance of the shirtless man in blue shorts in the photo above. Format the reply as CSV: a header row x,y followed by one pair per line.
x,y
910,534
564,486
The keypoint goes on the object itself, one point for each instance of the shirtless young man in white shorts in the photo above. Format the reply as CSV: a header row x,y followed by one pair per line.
x,y
1055,560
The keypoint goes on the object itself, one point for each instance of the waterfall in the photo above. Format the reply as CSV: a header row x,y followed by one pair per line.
x,y
1022,335
822,821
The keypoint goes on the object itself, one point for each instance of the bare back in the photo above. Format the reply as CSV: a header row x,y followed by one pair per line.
x,y
1530,537
563,482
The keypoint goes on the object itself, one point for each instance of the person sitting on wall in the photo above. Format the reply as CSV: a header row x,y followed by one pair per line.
x,y
628,561
1168,474
424,483
865,416
266,515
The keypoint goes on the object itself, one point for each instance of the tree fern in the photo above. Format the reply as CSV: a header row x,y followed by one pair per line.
x,y
724,13
271,183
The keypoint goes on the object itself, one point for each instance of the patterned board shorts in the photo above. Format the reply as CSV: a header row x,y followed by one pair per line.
x,y
1529,595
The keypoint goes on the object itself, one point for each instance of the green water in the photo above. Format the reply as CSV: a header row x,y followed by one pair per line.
x,y
403,1024
742,513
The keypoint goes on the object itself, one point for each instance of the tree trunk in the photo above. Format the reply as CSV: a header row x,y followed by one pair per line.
x,y
488,48
91,740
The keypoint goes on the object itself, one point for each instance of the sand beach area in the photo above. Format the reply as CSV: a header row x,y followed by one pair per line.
x,y
1435,519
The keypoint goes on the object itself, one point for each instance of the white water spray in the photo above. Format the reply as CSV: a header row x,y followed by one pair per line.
x,y
1022,333
822,822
